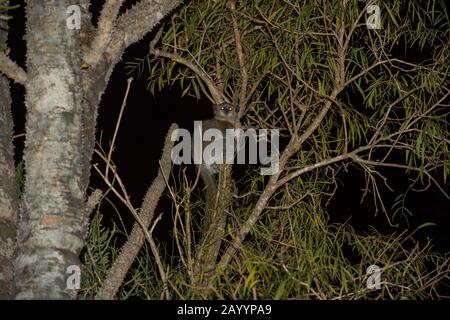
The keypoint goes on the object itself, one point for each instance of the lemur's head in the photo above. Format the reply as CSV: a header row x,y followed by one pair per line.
x,y
225,112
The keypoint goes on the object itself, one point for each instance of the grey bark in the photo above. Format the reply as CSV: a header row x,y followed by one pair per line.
x,y
50,233
62,100
135,241
8,193
215,221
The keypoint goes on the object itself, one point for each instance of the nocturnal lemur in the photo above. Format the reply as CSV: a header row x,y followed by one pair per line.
x,y
225,117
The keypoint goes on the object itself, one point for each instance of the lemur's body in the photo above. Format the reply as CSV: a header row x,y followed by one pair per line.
x,y
224,118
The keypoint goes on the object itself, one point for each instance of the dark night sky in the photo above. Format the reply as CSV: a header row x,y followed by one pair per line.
x,y
145,123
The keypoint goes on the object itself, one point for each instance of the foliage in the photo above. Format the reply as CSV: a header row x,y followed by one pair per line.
x,y
343,97
5,7
293,253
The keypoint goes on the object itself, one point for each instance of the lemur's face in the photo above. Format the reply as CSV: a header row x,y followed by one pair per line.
x,y
225,112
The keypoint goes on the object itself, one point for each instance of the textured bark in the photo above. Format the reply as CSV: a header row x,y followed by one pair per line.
x,y
129,28
50,229
8,194
62,100
214,230
131,248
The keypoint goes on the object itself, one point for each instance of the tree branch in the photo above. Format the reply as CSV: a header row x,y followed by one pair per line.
x,y
12,70
131,248
241,58
216,94
104,30
9,202
294,146
136,22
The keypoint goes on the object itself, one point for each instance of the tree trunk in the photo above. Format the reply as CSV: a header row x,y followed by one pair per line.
x,y
67,72
213,231
50,229
8,194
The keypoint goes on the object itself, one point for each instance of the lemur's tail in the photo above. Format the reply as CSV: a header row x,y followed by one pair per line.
x,y
211,188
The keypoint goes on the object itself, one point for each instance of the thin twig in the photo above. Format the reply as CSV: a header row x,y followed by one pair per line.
x,y
113,142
